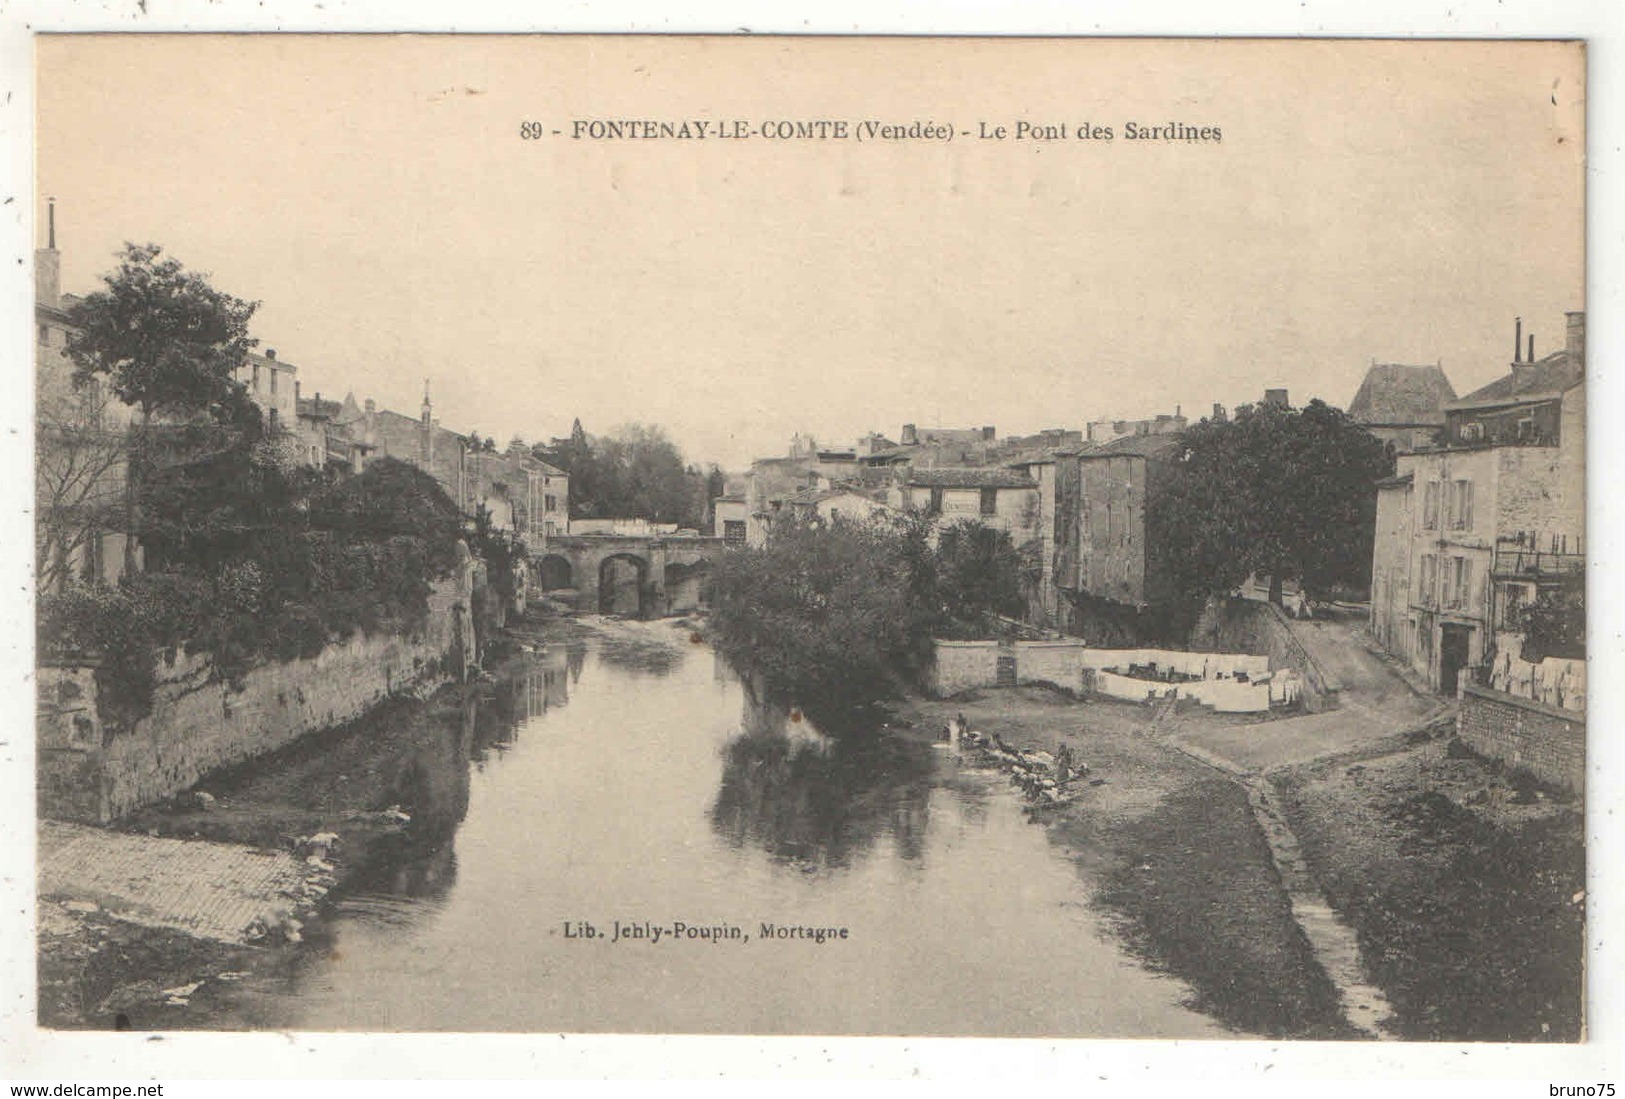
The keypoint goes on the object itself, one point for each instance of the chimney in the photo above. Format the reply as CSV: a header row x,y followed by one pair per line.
x,y
296,393
1517,339
1531,355
1277,398
1575,339
911,436
1219,416
48,263
988,434
270,353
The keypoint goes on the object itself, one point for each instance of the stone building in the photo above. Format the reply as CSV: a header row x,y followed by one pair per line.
x,y
1402,405
998,497
1469,528
1110,557
520,492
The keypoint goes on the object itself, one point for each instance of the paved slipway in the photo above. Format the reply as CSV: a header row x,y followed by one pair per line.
x,y
220,891
1379,705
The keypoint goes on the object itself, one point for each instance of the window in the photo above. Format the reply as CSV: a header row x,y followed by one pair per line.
x,y
1472,432
255,386
1460,580
1461,505
45,334
990,501
935,507
550,502
1428,590
273,379
1430,506
733,532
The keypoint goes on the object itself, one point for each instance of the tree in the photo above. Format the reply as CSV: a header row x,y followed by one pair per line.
x,y
637,472
1285,492
78,477
826,613
168,343
979,572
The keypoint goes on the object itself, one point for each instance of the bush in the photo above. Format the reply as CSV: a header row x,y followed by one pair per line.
x,y
823,612
273,569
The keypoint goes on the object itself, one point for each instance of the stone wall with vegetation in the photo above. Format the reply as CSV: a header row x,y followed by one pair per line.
x,y
199,722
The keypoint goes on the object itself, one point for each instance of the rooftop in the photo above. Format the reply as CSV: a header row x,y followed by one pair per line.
x,y
1396,394
981,477
1543,380
1138,446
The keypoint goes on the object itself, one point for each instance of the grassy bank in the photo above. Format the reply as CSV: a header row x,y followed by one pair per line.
x,y
1464,888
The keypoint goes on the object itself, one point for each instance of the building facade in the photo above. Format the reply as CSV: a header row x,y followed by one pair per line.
x,y
1472,527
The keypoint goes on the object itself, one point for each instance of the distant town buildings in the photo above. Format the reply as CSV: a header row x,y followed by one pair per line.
x,y
83,535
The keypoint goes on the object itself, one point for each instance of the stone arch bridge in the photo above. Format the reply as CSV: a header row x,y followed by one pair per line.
x,y
672,574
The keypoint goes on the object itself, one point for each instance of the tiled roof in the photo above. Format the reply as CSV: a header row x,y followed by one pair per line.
x,y
1140,446
1395,394
981,477
1549,377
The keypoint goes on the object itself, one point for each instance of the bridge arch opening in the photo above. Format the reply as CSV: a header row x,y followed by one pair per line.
x,y
554,572
688,585
623,585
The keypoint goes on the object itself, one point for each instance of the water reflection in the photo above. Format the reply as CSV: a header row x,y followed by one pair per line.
x,y
816,801
610,783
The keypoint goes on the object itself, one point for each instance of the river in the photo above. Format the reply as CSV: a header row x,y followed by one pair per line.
x,y
620,778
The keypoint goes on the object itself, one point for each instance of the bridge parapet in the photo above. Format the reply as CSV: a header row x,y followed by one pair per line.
x,y
579,561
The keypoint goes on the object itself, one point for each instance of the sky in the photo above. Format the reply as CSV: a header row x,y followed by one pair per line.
x,y
1397,201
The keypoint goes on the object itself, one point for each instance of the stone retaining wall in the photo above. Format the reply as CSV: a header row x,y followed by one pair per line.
x,y
1250,625
1544,741
1075,666
198,724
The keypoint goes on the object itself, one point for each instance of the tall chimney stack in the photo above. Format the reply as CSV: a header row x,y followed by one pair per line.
x,y
1517,339
48,263
1531,356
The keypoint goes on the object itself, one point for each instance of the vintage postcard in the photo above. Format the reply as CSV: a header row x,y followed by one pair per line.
x,y
766,536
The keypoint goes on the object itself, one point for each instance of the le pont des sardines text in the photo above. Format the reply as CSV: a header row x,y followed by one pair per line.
x,y
1168,132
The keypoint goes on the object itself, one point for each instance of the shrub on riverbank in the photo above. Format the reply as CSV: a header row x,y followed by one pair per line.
x,y
839,614
826,611
271,568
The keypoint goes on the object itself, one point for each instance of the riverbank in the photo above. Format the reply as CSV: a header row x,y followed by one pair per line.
x,y
387,789
1460,905
336,802
1189,882
1463,885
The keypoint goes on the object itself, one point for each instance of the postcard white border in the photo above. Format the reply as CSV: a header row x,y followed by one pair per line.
x,y
26,1053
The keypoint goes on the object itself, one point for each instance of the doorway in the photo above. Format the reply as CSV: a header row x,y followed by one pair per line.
x,y
1455,642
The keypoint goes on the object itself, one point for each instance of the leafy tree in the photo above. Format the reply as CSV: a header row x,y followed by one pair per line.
x,y
979,572
823,612
168,343
637,472
1285,492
